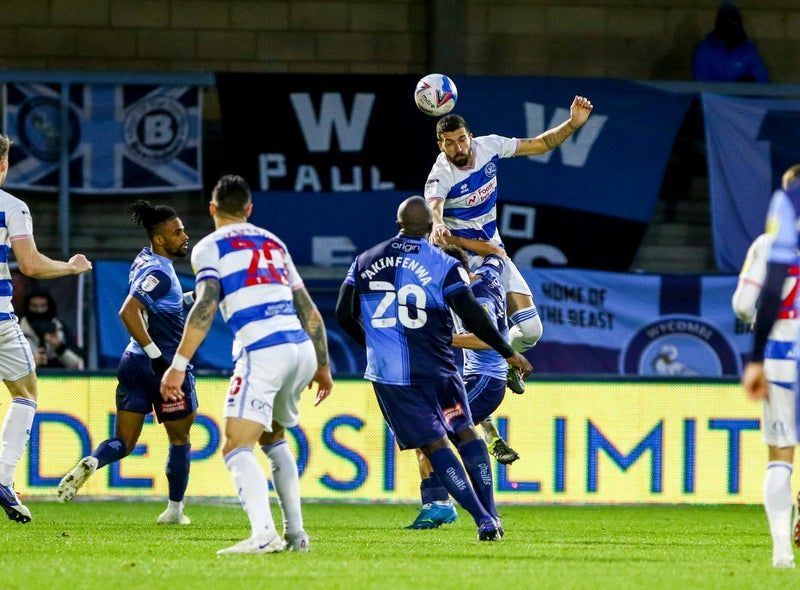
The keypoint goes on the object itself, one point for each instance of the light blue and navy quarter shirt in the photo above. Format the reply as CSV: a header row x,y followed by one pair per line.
x,y
488,291
153,282
402,284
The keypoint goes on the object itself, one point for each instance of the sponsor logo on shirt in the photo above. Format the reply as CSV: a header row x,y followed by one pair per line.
x,y
405,247
150,283
463,188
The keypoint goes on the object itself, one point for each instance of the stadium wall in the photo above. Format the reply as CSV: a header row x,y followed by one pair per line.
x,y
609,38
611,441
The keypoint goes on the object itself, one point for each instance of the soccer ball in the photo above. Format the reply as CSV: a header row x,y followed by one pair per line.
x,y
435,95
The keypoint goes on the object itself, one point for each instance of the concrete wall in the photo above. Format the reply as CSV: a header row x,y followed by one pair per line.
x,y
647,39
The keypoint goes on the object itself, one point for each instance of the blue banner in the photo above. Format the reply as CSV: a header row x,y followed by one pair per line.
x,y
632,324
750,143
122,138
613,165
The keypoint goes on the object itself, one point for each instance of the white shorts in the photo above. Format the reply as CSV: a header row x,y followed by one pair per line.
x,y
511,277
779,427
16,357
267,383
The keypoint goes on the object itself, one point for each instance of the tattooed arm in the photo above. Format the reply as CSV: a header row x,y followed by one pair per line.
x,y
194,332
315,328
579,112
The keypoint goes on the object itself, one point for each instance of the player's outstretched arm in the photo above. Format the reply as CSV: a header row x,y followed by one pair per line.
x,y
34,264
470,341
463,302
348,313
579,112
314,326
480,247
197,325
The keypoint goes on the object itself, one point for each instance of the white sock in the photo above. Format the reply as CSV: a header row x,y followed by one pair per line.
x,y
527,329
287,483
778,504
251,485
176,506
14,438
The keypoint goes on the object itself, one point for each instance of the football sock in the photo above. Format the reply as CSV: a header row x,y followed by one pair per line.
x,y
109,451
287,483
476,462
432,490
452,475
778,505
178,471
527,329
251,485
14,438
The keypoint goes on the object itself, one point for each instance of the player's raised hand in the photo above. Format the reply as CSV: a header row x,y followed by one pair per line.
x,y
521,363
579,110
439,232
80,263
324,382
754,381
171,385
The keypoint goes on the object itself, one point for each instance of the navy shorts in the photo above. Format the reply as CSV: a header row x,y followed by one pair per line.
x,y
139,390
423,413
485,394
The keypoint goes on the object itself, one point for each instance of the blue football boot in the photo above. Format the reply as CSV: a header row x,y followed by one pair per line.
x,y
13,507
434,515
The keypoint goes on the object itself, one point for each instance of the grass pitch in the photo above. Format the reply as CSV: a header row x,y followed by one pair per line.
x,y
116,545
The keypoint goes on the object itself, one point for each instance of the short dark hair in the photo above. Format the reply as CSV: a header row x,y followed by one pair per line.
x,y
458,253
232,194
150,217
5,146
450,122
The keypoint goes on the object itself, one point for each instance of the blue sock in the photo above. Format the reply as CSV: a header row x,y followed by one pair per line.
x,y
178,471
109,451
432,490
476,462
452,475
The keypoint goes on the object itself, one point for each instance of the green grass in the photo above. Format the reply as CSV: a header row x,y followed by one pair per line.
x,y
118,546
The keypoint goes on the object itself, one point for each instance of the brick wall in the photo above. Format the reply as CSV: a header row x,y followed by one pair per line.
x,y
620,38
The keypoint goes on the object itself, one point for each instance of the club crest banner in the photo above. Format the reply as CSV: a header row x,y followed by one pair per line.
x,y
121,138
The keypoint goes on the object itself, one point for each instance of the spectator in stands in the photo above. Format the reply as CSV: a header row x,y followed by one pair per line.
x,y
50,340
726,55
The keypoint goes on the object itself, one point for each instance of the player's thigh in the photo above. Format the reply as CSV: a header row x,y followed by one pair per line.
x,y
136,384
785,454
257,378
239,433
178,429
17,366
451,396
286,410
515,286
176,410
485,394
779,427
413,414
270,437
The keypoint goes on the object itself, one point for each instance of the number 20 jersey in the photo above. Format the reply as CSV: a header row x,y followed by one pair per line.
x,y
401,285
257,278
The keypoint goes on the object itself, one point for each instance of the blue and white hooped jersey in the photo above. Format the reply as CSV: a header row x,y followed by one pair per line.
x,y
257,278
152,280
15,224
488,291
470,195
402,284
782,227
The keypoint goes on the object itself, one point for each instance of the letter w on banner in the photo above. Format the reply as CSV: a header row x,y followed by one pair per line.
x,y
122,138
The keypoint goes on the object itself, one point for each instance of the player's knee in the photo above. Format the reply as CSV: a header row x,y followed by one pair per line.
x,y
527,329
